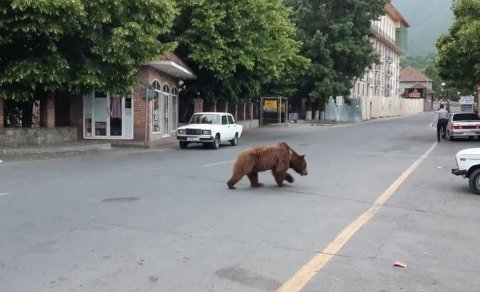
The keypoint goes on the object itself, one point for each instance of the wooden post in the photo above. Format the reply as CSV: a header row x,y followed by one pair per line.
x,y
197,105
47,112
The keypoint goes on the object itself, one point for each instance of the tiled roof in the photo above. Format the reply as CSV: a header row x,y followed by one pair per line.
x,y
410,74
172,57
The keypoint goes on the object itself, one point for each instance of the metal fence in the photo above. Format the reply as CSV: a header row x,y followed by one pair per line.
x,y
342,112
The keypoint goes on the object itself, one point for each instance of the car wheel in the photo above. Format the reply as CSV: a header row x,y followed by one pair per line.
x,y
216,143
234,141
183,145
474,181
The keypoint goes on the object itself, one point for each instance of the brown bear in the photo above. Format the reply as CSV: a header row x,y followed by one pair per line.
x,y
279,158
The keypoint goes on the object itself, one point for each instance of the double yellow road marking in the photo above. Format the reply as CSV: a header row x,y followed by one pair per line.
x,y
309,270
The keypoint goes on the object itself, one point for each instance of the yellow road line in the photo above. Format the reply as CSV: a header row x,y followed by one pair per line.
x,y
309,270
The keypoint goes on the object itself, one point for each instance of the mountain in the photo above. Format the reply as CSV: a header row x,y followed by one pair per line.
x,y
428,19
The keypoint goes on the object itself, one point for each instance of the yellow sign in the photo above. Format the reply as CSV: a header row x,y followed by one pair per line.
x,y
270,105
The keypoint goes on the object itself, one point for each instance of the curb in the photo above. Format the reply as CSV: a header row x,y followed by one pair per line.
x,y
43,150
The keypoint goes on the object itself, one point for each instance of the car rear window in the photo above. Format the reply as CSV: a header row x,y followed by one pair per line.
x,y
466,117
205,119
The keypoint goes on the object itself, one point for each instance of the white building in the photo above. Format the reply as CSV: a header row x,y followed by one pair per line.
x,y
389,40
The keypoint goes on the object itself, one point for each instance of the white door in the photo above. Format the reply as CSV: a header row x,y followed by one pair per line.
x,y
107,116
101,121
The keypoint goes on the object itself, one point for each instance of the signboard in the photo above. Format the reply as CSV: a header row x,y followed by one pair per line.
x,y
415,93
270,105
467,99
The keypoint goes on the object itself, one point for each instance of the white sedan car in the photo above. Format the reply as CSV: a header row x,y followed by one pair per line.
x,y
468,166
463,125
210,128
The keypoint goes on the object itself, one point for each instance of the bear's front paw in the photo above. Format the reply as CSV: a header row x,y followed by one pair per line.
x,y
289,178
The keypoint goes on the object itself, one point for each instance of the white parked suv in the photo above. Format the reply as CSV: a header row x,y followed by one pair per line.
x,y
210,128
468,165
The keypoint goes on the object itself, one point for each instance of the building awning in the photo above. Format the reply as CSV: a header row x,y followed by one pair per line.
x,y
173,69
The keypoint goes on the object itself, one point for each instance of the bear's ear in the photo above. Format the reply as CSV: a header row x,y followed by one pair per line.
x,y
303,156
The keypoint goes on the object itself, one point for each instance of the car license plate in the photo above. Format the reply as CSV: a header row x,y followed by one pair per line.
x,y
193,139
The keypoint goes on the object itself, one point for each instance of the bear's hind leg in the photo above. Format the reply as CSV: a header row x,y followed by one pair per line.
x,y
236,177
253,177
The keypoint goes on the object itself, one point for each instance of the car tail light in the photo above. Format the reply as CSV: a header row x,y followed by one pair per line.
x,y
457,127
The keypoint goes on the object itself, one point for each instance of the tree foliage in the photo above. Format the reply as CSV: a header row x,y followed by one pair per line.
x,y
458,54
336,37
237,47
54,46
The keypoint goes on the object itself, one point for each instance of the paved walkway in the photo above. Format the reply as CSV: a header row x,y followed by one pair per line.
x,y
86,147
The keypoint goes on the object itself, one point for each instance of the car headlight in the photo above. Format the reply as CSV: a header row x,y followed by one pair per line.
x,y
181,132
206,132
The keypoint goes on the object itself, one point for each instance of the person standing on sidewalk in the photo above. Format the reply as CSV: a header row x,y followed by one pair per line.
x,y
441,119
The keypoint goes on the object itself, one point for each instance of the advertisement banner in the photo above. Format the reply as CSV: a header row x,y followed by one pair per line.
x,y
415,93
270,105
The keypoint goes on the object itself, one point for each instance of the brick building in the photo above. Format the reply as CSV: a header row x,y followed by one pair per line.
x,y
411,81
109,116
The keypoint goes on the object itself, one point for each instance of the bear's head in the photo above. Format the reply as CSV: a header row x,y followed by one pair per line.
x,y
298,163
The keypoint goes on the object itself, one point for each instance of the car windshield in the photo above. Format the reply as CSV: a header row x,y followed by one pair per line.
x,y
466,117
205,119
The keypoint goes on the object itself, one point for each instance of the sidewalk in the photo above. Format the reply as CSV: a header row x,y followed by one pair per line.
x,y
89,147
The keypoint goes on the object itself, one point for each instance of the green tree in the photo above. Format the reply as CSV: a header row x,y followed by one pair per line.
x,y
75,46
458,55
237,48
417,62
336,37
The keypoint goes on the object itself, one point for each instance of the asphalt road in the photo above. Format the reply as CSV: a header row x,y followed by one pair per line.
x,y
163,220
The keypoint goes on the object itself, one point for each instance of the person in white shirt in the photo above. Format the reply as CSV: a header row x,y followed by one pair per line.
x,y
441,119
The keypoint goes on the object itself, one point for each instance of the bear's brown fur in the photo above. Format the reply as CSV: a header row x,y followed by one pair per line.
x,y
279,158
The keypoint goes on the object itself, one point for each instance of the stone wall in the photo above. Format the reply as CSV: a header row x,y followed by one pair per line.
x,y
378,107
249,124
13,137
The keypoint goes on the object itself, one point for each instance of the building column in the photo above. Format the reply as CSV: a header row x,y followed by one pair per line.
x,y
197,105
47,109
2,103
250,112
